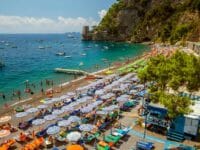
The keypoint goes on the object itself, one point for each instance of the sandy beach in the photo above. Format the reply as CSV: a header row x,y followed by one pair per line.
x,y
128,118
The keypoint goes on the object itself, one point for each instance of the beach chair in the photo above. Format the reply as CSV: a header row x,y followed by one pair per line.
x,y
141,145
103,146
104,125
24,125
122,132
112,139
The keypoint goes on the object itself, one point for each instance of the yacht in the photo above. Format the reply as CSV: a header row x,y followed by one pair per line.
x,y
41,47
60,54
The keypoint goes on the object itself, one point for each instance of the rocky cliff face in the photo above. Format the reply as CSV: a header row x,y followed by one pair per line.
x,y
150,20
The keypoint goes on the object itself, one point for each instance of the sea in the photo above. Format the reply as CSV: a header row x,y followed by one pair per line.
x,y
30,60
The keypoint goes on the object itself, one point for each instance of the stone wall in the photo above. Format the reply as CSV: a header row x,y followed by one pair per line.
x,y
195,46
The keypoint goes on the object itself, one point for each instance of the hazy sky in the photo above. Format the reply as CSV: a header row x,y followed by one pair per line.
x,y
50,16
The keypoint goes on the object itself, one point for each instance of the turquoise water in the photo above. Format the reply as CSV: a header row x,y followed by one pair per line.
x,y
25,61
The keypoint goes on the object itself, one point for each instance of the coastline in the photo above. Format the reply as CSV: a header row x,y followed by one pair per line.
x,y
66,86
73,84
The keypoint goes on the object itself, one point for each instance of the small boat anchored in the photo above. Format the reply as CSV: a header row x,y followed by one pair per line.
x,y
41,47
2,64
81,64
60,54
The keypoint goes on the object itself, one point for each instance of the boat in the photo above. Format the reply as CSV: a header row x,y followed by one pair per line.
x,y
41,47
81,64
14,47
106,47
68,56
60,54
2,64
83,54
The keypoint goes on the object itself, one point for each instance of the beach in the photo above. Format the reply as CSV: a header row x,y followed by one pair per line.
x,y
66,87
127,119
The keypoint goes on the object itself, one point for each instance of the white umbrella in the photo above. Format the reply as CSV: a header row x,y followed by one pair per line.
x,y
42,106
86,109
86,127
67,108
133,91
71,94
21,114
49,101
50,117
122,99
99,92
63,97
81,100
73,136
56,99
101,112
117,89
53,130
32,110
74,119
64,123
110,108
38,122
73,104
96,103
57,112
125,95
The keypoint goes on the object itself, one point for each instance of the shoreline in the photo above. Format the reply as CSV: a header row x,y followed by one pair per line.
x,y
36,98
66,86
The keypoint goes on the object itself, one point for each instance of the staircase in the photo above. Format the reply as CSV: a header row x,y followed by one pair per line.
x,y
175,136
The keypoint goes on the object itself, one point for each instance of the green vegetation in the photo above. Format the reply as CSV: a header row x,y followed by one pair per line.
x,y
108,23
166,20
173,72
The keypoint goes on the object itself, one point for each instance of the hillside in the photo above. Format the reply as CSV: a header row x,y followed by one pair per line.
x,y
150,20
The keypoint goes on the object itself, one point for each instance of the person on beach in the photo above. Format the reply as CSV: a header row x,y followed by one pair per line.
x,y
3,96
19,94
42,91
41,83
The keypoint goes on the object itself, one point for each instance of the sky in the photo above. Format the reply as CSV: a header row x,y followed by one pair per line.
x,y
50,16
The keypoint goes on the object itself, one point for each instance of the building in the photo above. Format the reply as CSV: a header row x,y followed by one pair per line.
x,y
86,33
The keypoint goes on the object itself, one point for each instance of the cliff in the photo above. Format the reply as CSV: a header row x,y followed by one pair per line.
x,y
150,20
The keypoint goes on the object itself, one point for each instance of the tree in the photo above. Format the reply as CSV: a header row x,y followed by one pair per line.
x,y
165,73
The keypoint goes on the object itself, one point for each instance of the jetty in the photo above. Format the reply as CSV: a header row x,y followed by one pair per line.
x,y
71,71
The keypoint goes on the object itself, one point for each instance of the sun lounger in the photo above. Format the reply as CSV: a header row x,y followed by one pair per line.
x,y
112,139
103,146
141,145
24,125
123,131
104,125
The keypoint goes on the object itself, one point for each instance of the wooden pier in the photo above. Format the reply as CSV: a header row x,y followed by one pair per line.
x,y
71,71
